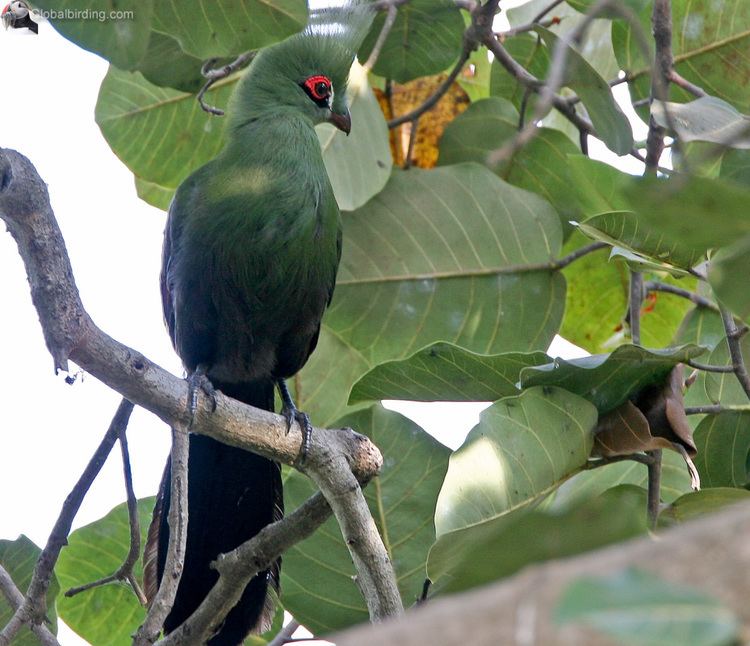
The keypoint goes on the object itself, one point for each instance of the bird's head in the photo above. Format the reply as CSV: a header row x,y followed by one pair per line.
x,y
308,72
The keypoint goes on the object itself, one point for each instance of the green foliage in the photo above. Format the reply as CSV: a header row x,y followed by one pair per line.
x,y
446,372
523,448
723,443
641,609
608,380
425,39
495,549
19,557
449,289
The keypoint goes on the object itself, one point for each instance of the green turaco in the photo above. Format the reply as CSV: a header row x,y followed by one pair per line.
x,y
251,249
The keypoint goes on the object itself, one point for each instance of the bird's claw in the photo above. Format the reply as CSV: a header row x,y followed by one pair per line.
x,y
197,380
291,412
303,419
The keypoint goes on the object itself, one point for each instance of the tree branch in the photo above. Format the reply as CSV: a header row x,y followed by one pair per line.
x,y
237,567
15,599
162,603
661,20
33,608
71,334
735,350
701,301
125,571
216,74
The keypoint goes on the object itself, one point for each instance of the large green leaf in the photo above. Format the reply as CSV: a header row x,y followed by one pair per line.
x,y
118,31
725,272
445,372
585,486
540,166
608,380
723,387
483,553
701,326
611,124
212,28
437,255
705,119
699,212
709,41
358,165
522,449
597,299
167,65
160,134
530,52
153,194
110,614
19,557
318,585
699,503
723,443
425,39
639,609
598,186
626,229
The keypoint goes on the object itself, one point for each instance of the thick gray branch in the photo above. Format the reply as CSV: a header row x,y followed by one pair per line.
x,y
71,334
15,599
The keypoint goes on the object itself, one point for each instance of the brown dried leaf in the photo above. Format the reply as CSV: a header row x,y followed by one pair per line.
x,y
655,419
625,431
664,408
405,98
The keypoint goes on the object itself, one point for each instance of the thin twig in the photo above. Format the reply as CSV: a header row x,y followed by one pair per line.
x,y
432,100
546,10
390,20
654,487
642,458
701,301
715,409
412,142
14,598
163,601
285,634
707,367
634,305
681,81
125,571
548,91
216,74
661,20
735,350
33,608
563,262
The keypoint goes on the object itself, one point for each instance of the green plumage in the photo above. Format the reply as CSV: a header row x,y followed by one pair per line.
x,y
251,250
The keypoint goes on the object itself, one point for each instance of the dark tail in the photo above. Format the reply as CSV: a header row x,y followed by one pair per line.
x,y
232,495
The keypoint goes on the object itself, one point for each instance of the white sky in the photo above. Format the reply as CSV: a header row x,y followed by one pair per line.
x,y
48,430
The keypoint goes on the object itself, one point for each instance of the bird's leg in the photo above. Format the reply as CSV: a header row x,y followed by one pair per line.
x,y
198,380
290,412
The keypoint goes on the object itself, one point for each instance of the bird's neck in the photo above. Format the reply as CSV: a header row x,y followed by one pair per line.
x,y
270,135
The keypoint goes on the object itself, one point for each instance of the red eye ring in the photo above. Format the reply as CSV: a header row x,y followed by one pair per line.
x,y
318,86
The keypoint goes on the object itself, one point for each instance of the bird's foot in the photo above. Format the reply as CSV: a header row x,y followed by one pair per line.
x,y
198,380
292,413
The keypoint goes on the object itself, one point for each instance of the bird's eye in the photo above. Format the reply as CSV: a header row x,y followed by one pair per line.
x,y
318,88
